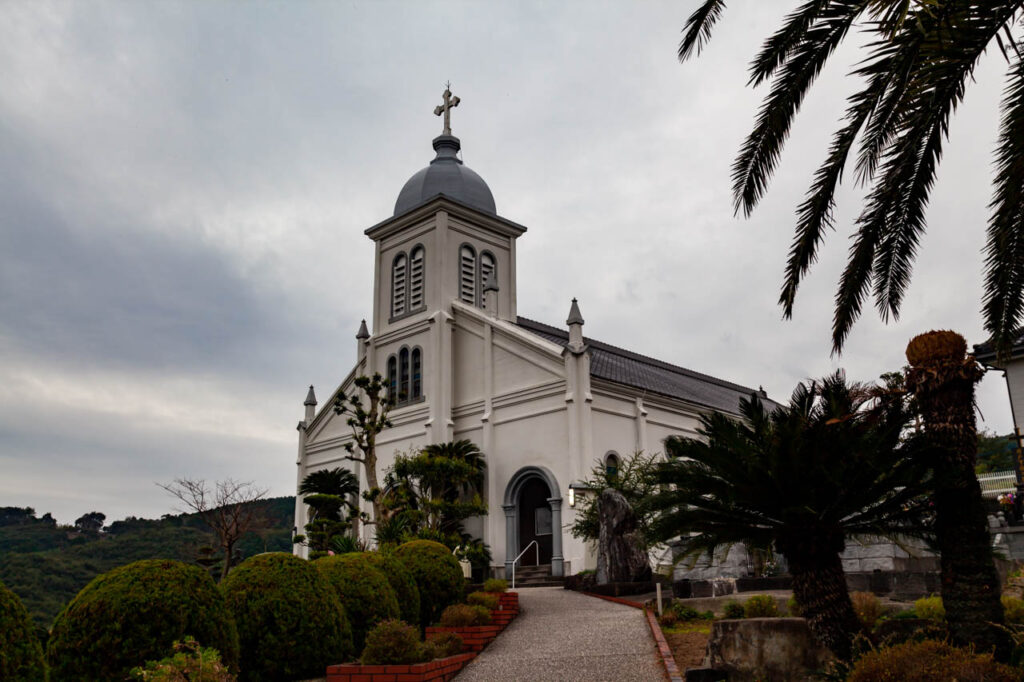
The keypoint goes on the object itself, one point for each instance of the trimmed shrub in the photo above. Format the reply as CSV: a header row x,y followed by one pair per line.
x,y
21,656
930,608
135,613
498,585
192,662
291,624
793,608
487,600
464,615
364,591
437,575
930,660
402,582
760,606
392,642
447,643
1013,609
868,608
733,609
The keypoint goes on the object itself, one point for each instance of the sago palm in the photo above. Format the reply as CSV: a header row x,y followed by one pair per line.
x,y
804,478
919,61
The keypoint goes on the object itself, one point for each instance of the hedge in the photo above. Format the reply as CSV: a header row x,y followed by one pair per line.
x,y
291,624
21,656
134,614
437,574
402,583
363,589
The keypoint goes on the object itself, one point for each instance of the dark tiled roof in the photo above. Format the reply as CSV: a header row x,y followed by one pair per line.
x,y
986,352
632,369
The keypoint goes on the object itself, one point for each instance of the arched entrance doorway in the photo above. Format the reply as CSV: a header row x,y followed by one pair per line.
x,y
533,512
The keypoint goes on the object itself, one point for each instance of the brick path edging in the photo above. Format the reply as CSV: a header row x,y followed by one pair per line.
x,y
617,600
668,661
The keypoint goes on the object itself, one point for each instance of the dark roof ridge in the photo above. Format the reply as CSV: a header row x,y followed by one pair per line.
x,y
555,331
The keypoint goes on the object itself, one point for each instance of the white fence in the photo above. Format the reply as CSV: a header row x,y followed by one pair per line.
x,y
996,483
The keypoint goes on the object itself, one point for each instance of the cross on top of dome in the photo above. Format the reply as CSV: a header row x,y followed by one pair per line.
x,y
446,108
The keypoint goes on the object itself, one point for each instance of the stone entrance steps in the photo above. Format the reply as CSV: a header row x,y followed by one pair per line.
x,y
537,576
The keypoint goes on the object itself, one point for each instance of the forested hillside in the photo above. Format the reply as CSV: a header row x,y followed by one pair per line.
x,y
46,564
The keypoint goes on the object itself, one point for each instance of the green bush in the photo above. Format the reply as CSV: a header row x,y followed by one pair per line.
x,y
686,613
487,600
191,662
437,575
402,582
21,656
291,623
930,660
364,591
498,585
760,606
868,608
392,642
793,608
733,609
930,608
1013,609
446,643
464,615
134,614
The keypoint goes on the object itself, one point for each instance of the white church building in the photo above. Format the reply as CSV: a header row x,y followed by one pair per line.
x,y
543,403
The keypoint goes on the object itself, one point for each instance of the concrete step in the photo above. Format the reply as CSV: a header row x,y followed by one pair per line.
x,y
547,582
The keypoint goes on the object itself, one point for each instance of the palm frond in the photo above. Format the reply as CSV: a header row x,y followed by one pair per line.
x,y
780,45
760,152
697,31
1004,250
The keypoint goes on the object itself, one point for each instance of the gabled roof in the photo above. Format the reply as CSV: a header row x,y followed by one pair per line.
x,y
985,353
639,371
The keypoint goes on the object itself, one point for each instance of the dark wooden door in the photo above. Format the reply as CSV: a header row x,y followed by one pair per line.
x,y
535,522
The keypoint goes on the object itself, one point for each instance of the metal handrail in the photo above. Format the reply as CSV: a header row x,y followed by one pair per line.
x,y
532,542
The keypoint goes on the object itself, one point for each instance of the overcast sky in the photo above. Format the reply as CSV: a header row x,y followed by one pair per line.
x,y
184,188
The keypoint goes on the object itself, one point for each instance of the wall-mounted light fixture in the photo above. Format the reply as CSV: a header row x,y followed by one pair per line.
x,y
577,489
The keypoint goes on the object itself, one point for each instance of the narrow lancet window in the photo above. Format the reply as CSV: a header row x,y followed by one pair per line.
x,y
467,275
403,375
398,282
487,268
417,375
416,278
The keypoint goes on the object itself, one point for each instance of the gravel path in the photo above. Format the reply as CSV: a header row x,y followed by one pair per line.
x,y
561,635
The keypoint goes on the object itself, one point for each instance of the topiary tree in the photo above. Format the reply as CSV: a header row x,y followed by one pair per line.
x,y
402,583
21,656
135,613
437,575
291,624
363,589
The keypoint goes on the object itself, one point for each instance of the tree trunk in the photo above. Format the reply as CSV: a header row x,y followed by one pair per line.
x,y
819,587
943,380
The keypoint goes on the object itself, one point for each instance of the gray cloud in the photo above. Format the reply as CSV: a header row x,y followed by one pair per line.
x,y
184,186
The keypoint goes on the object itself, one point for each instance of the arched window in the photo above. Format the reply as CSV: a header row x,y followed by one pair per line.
x,y
416,257
487,267
403,375
398,282
417,375
467,275
393,379
611,465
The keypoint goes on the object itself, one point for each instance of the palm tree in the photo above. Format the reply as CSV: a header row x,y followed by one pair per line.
x,y
803,478
942,378
915,73
328,492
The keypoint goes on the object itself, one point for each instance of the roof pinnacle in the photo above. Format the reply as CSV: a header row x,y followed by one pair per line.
x,y
574,314
310,397
363,332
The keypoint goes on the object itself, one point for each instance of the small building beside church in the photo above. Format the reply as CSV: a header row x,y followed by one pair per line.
x,y
544,403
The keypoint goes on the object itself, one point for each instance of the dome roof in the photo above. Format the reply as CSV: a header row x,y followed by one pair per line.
x,y
448,176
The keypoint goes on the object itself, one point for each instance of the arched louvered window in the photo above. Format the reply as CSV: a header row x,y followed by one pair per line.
x,y
398,284
467,275
403,375
393,379
417,374
487,267
416,283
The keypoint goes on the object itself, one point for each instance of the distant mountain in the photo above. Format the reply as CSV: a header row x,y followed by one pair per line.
x,y
46,564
